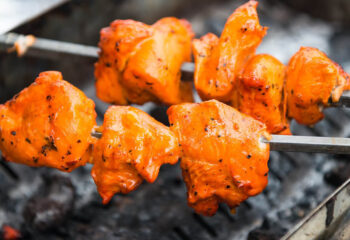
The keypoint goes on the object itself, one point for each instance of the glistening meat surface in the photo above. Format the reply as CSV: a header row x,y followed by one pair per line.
x,y
223,158
48,124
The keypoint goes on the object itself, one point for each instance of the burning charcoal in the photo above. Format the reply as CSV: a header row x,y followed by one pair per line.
x,y
338,175
51,205
9,233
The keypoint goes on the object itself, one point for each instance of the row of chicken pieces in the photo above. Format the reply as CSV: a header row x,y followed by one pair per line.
x,y
222,158
140,63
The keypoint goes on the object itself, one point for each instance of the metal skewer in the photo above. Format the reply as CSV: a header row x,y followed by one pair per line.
x,y
49,47
292,143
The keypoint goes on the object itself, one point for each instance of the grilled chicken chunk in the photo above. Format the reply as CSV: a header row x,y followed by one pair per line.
x,y
223,158
262,93
48,124
313,79
132,148
140,63
218,61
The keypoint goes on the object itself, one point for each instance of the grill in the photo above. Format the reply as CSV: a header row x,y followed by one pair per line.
x,y
46,204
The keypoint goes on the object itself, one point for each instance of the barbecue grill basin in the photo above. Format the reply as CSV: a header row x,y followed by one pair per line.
x,y
298,182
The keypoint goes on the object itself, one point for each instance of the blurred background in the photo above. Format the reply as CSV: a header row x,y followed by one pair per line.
x,y
44,204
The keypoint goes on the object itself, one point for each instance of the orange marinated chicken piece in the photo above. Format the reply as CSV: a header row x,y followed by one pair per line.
x,y
132,148
48,124
224,159
140,63
117,44
312,79
218,61
261,92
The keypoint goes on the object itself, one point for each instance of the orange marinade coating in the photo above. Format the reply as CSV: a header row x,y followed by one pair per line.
x,y
261,92
219,60
132,148
312,79
48,124
140,63
223,157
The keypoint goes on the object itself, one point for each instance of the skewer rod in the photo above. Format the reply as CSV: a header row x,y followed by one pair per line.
x,y
50,46
289,143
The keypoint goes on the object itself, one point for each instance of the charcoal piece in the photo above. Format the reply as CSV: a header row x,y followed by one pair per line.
x,y
338,175
51,205
159,113
259,234
267,231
